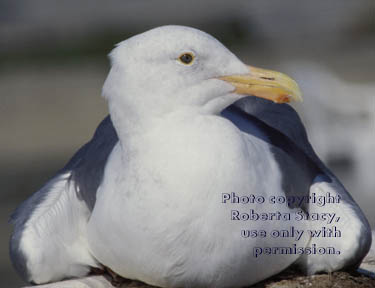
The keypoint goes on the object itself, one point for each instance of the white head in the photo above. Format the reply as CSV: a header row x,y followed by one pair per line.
x,y
175,67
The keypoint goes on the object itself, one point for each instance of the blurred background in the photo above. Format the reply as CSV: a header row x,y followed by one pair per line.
x,y
53,64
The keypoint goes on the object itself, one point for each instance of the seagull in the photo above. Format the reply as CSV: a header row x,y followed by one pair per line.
x,y
188,123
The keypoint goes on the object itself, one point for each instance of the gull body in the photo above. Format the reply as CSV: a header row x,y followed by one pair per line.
x,y
143,197
170,198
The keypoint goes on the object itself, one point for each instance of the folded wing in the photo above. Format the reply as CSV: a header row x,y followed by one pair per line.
x,y
281,127
49,242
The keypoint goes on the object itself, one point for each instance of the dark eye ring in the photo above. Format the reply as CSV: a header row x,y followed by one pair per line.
x,y
186,58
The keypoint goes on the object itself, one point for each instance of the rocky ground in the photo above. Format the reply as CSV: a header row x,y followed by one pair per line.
x,y
293,279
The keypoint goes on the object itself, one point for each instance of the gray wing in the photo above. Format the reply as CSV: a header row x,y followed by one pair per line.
x,y
284,119
85,171
88,164
280,126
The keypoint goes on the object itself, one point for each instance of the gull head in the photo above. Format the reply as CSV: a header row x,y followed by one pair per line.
x,y
170,68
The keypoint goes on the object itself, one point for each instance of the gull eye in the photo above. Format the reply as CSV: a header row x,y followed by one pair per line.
x,y
186,58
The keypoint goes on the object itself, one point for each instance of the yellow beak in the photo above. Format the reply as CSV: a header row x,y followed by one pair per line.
x,y
266,84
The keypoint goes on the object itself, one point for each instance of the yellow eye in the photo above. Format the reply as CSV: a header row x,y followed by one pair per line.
x,y
186,58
